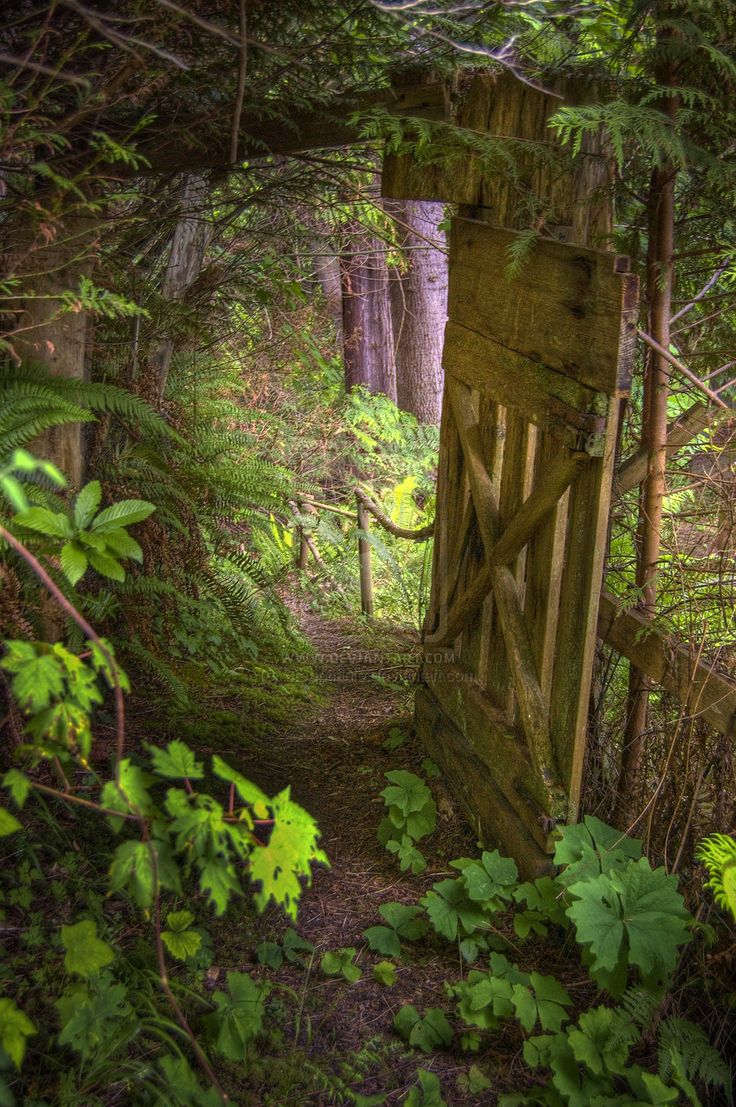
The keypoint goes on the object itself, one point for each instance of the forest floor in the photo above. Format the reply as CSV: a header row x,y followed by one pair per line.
x,y
334,1042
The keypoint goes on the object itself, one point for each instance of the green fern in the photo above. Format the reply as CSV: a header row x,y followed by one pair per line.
x,y
718,854
685,1052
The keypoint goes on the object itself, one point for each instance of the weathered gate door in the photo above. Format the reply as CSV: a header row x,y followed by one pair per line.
x,y
535,371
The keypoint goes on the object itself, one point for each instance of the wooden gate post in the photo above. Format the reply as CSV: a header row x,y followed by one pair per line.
x,y
364,557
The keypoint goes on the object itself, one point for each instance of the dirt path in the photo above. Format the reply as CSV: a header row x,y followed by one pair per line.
x,y
336,1041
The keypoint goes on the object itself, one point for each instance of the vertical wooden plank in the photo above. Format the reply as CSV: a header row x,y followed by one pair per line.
x,y
587,530
544,567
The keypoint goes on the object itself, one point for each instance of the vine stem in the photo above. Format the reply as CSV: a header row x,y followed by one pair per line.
x,y
136,815
35,565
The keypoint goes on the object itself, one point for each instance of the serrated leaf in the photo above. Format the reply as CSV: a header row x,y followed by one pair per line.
x,y
106,565
384,972
132,869
181,943
219,882
15,1027
49,523
634,916
86,954
290,852
86,504
122,514
176,762
38,677
73,562
429,1092
249,792
123,544
239,1015
587,849
18,785
270,954
8,823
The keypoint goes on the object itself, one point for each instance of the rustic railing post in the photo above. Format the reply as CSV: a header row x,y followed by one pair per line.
x,y
364,557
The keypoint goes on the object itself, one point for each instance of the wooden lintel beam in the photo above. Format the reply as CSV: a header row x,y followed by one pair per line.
x,y
186,144
532,513
533,709
702,692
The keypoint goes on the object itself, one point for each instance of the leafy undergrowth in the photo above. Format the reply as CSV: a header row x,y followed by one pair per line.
x,y
420,975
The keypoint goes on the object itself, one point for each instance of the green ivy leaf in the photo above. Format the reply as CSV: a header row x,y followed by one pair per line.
x,y
176,762
86,954
15,1027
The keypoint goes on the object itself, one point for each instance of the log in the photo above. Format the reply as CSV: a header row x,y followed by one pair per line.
x,y
701,691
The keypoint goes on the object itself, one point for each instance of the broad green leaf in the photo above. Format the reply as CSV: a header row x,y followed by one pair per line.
x,y
239,1015
73,562
18,785
38,676
601,1042
181,943
86,954
120,543
176,762
219,882
249,793
384,972
270,954
634,916
179,920
132,870
408,791
339,962
86,504
295,946
15,1027
544,1001
182,1085
587,849
442,904
474,1081
429,1092
105,565
90,1018
288,855
122,514
8,823
382,939
48,523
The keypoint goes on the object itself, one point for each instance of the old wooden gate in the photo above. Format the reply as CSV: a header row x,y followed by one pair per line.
x,y
536,367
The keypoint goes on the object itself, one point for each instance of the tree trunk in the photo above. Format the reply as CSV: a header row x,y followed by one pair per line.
x,y
327,273
50,261
192,235
366,315
419,307
660,276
